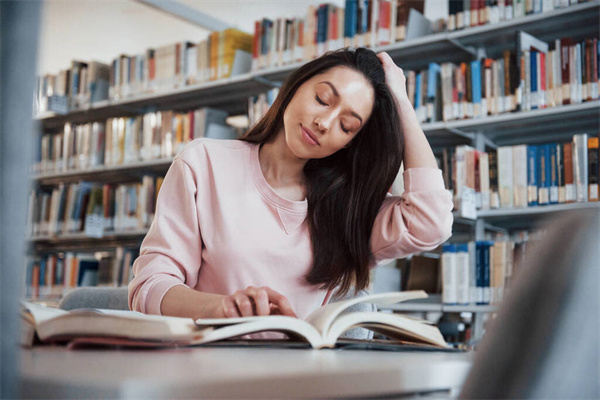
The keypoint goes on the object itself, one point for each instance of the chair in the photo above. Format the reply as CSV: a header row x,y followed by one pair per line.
x,y
116,299
544,342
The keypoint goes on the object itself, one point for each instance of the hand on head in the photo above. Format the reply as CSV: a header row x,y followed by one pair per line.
x,y
254,301
394,76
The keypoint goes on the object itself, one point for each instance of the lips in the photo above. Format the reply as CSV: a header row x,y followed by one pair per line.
x,y
309,136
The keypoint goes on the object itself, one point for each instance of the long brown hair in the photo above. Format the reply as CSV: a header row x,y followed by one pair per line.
x,y
344,190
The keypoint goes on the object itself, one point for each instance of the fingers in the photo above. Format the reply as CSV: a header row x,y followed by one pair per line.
x,y
386,60
260,299
281,302
230,309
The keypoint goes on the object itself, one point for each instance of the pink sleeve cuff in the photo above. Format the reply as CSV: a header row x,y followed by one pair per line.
x,y
156,291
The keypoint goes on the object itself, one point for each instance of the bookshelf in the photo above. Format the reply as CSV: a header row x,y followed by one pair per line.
x,y
231,94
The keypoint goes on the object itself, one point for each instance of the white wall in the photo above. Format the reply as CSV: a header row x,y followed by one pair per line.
x,y
100,30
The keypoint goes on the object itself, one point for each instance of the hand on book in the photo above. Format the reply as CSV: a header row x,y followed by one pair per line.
x,y
254,301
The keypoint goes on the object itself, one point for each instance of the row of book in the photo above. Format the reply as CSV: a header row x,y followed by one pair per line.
x,y
126,140
532,77
479,272
373,23
92,208
467,13
275,42
156,70
523,175
49,276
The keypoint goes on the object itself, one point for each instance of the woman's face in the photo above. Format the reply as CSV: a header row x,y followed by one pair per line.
x,y
326,112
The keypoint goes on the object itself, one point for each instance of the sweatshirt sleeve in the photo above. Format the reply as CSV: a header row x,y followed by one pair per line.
x,y
419,220
170,254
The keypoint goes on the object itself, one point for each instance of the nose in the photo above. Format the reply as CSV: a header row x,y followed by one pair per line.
x,y
324,121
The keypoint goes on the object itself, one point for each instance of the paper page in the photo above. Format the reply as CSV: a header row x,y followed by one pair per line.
x,y
42,313
323,317
247,325
393,325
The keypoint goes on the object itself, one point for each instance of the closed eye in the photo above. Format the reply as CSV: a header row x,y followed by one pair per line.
x,y
321,101
344,128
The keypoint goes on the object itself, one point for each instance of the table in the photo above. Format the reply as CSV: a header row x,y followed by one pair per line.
x,y
55,372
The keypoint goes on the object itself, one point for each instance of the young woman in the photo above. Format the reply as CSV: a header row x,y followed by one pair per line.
x,y
298,208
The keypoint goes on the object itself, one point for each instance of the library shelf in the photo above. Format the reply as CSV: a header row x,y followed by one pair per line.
x,y
79,241
102,174
555,123
433,303
231,94
548,124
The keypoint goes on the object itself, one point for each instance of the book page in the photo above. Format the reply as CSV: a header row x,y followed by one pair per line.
x,y
392,325
225,328
323,317
42,313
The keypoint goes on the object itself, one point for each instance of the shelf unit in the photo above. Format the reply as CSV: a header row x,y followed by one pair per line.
x,y
231,94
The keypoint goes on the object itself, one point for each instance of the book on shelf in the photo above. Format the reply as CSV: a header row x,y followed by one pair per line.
x,y
479,272
523,175
320,329
283,41
49,275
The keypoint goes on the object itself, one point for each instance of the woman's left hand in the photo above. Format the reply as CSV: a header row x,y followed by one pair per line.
x,y
394,77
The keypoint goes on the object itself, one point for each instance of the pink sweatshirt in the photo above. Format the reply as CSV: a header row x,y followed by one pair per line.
x,y
219,227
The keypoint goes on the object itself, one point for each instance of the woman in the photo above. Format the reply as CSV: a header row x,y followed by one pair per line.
x,y
273,223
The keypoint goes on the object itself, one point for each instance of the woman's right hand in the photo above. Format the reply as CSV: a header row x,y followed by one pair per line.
x,y
254,301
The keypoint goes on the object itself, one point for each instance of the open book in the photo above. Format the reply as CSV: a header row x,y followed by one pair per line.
x,y
321,329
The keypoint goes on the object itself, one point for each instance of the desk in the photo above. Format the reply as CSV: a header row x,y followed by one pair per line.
x,y
55,372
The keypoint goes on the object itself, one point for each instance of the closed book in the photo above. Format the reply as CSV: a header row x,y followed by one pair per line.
x,y
520,175
560,172
463,274
484,180
505,176
544,177
593,171
449,274
493,170
553,174
580,166
570,196
532,175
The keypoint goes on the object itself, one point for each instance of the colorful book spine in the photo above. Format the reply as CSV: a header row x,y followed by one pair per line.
x,y
593,168
532,175
553,174
449,274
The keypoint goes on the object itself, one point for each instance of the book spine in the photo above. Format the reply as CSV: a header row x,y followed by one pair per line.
x,y
580,166
520,175
449,274
544,192
463,278
569,180
553,174
532,175
593,171
560,172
